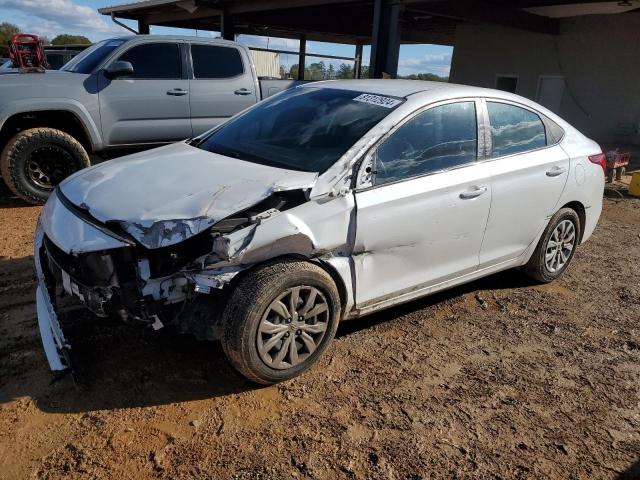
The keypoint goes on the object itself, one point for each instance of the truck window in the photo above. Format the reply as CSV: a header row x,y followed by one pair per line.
x,y
154,61
211,61
90,58
55,60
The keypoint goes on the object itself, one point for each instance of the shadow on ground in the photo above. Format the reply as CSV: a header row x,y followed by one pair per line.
x,y
125,365
8,199
632,473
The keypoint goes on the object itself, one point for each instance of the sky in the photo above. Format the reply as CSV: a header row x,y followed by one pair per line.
x,y
80,17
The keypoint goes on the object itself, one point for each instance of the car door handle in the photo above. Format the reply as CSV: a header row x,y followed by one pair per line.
x,y
474,192
177,92
556,171
243,91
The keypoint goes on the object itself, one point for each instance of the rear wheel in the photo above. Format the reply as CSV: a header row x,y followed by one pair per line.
x,y
36,160
555,249
279,320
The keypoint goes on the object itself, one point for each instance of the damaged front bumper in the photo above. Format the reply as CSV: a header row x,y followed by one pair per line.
x,y
56,347
81,263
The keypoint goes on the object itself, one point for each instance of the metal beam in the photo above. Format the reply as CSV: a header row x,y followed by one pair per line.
x,y
227,29
385,40
168,17
301,58
246,6
483,12
307,54
143,27
357,67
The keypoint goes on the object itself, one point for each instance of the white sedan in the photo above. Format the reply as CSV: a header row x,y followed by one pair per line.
x,y
326,202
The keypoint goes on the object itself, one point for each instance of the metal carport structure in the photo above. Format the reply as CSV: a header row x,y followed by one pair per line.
x,y
384,24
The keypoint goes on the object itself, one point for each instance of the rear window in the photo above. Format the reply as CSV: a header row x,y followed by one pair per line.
x,y
216,62
514,129
305,129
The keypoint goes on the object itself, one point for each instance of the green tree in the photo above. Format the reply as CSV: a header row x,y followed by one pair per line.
x,y
65,39
331,72
7,30
432,77
344,71
317,71
293,71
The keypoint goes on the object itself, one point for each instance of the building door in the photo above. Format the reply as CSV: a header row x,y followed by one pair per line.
x,y
550,91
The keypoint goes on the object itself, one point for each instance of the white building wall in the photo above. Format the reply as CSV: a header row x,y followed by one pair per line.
x,y
267,63
598,55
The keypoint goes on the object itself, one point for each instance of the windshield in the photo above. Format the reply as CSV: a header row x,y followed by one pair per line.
x,y
90,58
305,129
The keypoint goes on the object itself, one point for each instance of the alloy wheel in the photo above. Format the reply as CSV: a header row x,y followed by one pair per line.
x,y
49,165
292,328
560,246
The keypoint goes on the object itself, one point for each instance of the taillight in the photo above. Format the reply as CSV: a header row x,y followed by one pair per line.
x,y
600,159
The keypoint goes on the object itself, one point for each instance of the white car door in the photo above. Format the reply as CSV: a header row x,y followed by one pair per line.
x,y
423,219
529,171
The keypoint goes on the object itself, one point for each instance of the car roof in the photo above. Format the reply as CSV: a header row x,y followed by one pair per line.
x,y
184,38
395,88
405,88
429,91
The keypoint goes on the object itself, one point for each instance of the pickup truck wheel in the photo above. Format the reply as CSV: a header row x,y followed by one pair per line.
x,y
36,160
279,319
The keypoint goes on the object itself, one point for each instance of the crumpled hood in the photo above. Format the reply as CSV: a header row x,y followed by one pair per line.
x,y
166,195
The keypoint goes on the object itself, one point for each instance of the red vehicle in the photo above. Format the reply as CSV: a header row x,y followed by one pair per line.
x,y
616,164
25,51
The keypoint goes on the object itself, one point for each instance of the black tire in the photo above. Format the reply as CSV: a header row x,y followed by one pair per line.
x,y
249,302
537,267
69,157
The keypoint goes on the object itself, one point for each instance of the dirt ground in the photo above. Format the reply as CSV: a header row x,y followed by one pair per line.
x,y
497,379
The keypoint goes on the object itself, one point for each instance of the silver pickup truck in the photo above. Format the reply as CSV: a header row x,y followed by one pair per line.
x,y
122,93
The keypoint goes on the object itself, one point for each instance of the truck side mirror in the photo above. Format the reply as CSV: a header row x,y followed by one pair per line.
x,y
118,69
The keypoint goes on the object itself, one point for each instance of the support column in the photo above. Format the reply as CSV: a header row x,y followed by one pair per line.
x,y
357,67
302,58
143,28
227,28
385,41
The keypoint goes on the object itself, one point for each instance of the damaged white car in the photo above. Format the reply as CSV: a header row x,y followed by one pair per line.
x,y
326,202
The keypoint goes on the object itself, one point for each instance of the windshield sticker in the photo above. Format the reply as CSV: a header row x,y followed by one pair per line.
x,y
386,102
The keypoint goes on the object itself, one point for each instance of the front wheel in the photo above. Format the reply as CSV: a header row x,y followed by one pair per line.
x,y
279,320
34,161
556,247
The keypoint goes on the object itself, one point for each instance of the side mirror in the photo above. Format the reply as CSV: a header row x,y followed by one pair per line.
x,y
119,69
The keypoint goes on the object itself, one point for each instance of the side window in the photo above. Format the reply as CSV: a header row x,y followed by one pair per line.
x,y
438,139
215,62
514,129
154,61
